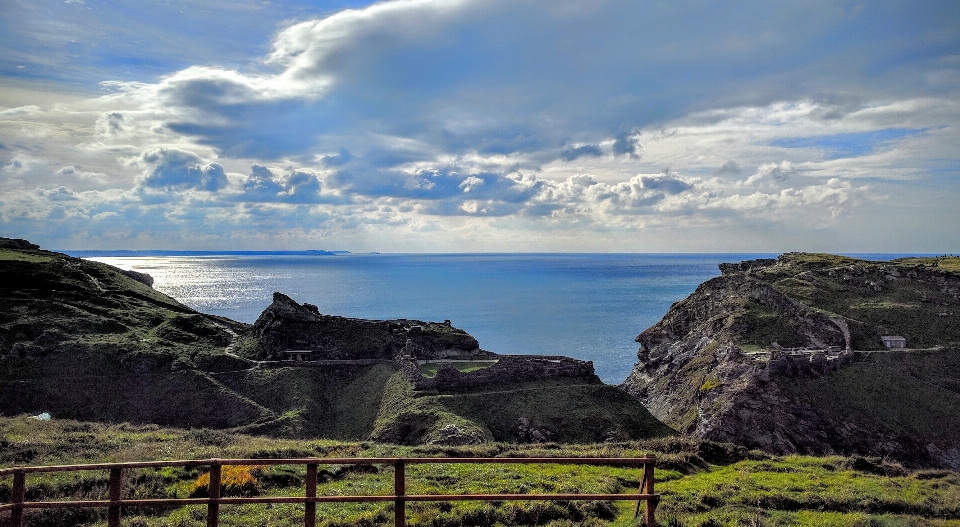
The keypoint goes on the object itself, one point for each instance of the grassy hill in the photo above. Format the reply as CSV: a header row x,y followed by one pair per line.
x,y
913,297
703,484
912,393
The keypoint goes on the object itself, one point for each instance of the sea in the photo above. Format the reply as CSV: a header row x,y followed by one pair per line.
x,y
587,306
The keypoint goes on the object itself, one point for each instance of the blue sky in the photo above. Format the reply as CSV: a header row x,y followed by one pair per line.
x,y
462,125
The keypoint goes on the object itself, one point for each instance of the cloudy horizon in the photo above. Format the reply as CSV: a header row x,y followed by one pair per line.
x,y
482,126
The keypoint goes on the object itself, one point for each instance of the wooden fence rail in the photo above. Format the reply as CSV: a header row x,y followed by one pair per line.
x,y
115,502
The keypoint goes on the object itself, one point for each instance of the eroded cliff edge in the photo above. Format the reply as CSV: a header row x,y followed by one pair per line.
x,y
773,354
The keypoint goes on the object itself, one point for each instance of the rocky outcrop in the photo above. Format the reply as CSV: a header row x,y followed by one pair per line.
x,y
18,243
143,278
716,365
286,325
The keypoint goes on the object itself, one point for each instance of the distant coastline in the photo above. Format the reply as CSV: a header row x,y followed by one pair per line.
x,y
92,253
151,252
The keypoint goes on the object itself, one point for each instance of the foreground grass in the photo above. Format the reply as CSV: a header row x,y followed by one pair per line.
x,y
702,483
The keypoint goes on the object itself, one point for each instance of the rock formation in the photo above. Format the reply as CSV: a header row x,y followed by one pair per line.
x,y
718,365
287,325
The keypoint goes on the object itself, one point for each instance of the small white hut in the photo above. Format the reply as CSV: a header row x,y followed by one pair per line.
x,y
298,355
894,341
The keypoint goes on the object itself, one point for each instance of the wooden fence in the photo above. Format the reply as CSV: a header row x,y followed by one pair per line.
x,y
115,502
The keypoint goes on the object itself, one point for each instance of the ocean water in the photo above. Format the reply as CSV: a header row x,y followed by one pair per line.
x,y
588,306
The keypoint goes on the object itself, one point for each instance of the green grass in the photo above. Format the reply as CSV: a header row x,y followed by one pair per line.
x,y
917,393
944,263
702,483
765,326
583,413
20,256
429,369
566,410
868,295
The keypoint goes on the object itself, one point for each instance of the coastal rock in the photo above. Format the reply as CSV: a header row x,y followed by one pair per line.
x,y
732,361
143,278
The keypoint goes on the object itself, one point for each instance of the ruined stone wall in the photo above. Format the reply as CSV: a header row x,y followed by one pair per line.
x,y
746,265
509,369
287,325
812,364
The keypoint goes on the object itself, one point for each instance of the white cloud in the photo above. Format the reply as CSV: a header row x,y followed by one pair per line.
x,y
507,118
21,111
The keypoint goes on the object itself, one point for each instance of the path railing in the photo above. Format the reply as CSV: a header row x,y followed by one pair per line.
x,y
115,502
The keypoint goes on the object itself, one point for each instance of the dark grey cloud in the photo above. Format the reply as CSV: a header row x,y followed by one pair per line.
x,y
173,168
573,152
291,186
730,167
446,184
335,160
666,183
113,123
625,144
58,194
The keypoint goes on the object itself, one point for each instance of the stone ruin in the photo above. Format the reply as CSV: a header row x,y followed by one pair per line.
x,y
802,363
508,369
286,325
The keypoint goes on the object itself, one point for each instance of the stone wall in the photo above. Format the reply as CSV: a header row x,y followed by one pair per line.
x,y
807,364
746,265
508,369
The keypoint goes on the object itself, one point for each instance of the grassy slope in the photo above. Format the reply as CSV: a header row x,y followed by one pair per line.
x,y
846,286
80,339
573,411
335,402
917,393
702,483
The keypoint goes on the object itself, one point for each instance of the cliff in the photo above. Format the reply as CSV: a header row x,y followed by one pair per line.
x,y
771,355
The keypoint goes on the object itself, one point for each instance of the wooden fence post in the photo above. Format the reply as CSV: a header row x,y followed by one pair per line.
x,y
399,490
310,509
19,496
651,507
643,485
213,492
113,512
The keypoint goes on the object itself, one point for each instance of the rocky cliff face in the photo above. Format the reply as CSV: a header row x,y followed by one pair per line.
x,y
725,363
287,325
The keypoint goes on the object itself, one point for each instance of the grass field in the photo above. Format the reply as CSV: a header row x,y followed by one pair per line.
x,y
703,484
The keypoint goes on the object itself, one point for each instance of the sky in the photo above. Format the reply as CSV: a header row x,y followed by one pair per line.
x,y
481,125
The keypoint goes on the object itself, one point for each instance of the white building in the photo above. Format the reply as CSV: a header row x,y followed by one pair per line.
x,y
894,341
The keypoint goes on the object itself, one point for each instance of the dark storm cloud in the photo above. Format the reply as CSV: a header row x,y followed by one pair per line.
x,y
571,153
